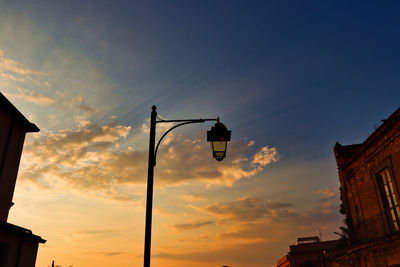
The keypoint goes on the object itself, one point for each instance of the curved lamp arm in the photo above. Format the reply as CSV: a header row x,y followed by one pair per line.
x,y
180,124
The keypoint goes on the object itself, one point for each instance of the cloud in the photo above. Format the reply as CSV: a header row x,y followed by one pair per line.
x,y
328,192
246,243
111,253
94,157
253,209
249,254
265,156
161,127
86,158
32,97
113,194
62,100
9,65
254,225
106,253
193,198
83,123
326,210
18,75
9,77
11,70
302,224
192,225
250,219
75,102
250,232
250,209
97,232
278,205
182,159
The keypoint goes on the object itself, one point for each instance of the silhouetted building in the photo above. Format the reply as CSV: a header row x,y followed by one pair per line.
x,y
369,175
18,246
310,252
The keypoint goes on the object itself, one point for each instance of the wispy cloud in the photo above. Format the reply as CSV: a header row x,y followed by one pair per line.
x,y
192,225
250,219
75,102
9,65
31,97
328,192
96,232
61,100
250,209
108,254
13,71
20,76
193,198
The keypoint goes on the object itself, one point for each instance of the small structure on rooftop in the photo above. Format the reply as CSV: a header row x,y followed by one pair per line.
x,y
310,252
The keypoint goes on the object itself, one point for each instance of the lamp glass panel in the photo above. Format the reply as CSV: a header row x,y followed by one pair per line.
x,y
219,147
219,154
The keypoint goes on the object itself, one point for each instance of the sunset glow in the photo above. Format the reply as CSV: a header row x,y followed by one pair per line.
x,y
289,80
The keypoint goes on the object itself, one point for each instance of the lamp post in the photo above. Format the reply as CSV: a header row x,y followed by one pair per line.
x,y
218,136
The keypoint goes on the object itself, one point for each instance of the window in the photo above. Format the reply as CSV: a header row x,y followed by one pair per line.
x,y
356,199
390,199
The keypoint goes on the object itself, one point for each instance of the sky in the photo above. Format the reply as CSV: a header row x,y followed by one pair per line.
x,y
289,78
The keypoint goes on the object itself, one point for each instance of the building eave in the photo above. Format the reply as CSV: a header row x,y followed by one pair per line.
x,y
10,108
15,229
346,154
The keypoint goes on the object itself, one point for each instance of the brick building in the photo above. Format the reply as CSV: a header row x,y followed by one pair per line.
x,y
18,246
369,175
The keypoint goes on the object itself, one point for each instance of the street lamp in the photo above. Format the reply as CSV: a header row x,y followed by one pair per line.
x,y
218,136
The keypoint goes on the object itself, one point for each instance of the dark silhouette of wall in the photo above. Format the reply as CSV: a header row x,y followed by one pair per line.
x,y
18,246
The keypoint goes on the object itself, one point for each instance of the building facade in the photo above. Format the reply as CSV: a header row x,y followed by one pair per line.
x,y
18,246
369,175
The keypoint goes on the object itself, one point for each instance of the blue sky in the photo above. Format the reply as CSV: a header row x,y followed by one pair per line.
x,y
291,76
297,72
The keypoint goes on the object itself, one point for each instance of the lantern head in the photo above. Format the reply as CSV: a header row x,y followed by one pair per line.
x,y
218,137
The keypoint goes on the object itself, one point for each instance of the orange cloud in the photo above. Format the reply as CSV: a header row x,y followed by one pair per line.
x,y
192,225
31,97
265,156
193,198
95,157
250,209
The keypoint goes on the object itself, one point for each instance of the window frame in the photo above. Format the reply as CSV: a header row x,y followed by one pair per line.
x,y
390,198
379,166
